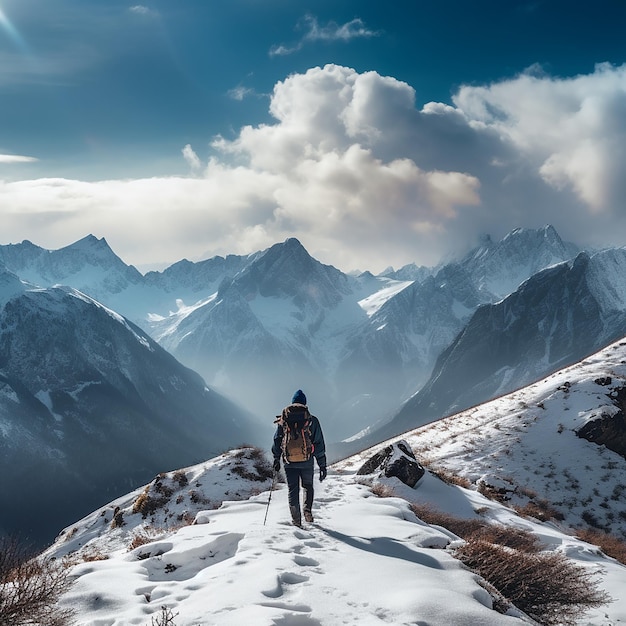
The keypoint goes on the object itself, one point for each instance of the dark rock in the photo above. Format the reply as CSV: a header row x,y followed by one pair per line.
x,y
603,381
396,460
609,430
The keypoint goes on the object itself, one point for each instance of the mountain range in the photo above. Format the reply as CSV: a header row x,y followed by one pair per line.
x,y
556,317
257,327
376,355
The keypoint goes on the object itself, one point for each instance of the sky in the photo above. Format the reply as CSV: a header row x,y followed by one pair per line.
x,y
377,137
244,563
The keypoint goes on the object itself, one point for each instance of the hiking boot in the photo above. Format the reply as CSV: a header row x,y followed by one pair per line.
x,y
295,516
308,516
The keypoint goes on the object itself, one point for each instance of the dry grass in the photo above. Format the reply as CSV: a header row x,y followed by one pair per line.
x,y
95,555
450,478
382,491
147,504
145,535
609,544
459,526
539,509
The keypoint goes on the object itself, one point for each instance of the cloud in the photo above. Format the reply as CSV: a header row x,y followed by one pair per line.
x,y
354,29
192,158
240,93
363,176
15,158
140,9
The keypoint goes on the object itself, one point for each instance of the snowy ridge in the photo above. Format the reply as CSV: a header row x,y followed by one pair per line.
x,y
528,439
365,560
230,568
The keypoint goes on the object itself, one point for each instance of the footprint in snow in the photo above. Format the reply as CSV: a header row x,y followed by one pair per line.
x,y
286,578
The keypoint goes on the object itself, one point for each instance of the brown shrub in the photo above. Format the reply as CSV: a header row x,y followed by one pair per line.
x,y
539,509
382,491
547,586
30,588
198,498
147,504
181,478
459,526
508,537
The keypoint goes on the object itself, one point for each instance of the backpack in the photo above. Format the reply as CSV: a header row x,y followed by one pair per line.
x,y
296,444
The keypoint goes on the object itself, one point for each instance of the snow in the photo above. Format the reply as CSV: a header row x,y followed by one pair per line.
x,y
372,303
365,560
232,569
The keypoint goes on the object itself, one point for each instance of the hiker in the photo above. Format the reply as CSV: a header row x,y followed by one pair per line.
x,y
297,440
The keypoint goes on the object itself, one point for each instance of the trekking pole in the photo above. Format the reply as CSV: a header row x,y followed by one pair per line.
x,y
270,498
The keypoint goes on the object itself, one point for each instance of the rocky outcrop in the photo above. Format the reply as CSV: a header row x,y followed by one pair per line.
x,y
607,429
396,460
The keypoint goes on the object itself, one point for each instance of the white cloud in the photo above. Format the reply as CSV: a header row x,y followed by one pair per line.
x,y
363,177
192,158
571,130
140,9
15,158
240,92
354,29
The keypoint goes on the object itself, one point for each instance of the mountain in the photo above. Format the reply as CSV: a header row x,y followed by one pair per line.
x,y
555,318
90,405
88,265
498,268
264,333
518,465
360,344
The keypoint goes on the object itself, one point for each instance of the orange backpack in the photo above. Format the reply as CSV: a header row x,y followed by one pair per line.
x,y
296,444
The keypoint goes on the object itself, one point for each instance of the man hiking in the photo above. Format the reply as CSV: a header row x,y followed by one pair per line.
x,y
297,440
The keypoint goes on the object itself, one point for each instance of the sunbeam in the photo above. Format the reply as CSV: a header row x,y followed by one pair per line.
x,y
13,34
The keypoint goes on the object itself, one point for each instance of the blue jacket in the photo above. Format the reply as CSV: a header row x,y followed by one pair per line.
x,y
317,439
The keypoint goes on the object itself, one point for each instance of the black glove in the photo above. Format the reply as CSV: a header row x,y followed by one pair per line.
x,y
322,473
277,465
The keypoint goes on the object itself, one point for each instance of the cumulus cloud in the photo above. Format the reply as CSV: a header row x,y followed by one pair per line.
x,y
571,131
364,176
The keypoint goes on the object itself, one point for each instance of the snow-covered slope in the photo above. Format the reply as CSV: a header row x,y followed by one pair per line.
x,y
527,443
555,318
90,405
368,561
365,560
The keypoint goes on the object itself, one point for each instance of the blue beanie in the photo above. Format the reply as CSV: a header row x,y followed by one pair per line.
x,y
298,397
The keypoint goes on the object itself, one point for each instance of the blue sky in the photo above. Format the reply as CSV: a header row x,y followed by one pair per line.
x,y
377,133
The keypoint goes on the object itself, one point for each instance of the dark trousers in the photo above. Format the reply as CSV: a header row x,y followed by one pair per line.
x,y
300,475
